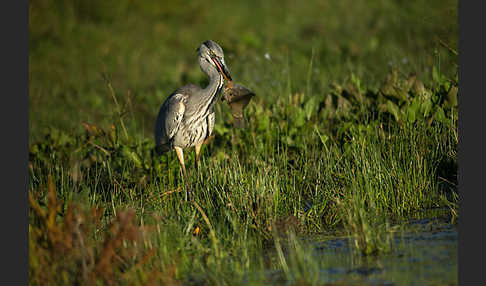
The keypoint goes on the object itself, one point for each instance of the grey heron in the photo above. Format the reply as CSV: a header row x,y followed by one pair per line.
x,y
186,118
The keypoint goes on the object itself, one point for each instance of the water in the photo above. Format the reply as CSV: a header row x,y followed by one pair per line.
x,y
424,253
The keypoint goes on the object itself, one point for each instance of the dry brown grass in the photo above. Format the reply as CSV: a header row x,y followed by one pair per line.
x,y
75,248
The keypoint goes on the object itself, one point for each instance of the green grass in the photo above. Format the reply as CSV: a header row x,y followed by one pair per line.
x,y
353,129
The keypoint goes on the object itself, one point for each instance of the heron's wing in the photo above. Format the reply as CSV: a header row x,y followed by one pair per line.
x,y
188,89
175,112
170,117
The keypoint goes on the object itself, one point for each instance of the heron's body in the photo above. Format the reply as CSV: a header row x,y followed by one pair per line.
x,y
186,118
182,123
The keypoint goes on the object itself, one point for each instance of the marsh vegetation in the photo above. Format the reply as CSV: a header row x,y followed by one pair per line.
x,y
352,133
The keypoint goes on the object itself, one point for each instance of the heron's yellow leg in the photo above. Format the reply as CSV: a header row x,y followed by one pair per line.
x,y
198,150
180,156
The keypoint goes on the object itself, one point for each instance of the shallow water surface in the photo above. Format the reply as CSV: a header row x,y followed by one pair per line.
x,y
424,253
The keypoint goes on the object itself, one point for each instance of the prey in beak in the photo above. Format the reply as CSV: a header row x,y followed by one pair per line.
x,y
237,97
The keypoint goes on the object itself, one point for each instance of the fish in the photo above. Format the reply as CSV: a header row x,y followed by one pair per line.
x,y
237,97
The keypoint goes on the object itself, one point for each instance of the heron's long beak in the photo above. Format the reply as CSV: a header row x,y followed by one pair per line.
x,y
223,69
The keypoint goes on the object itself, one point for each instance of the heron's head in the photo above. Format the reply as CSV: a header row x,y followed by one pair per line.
x,y
211,54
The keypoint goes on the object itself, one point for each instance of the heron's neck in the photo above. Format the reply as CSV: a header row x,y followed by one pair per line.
x,y
211,91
